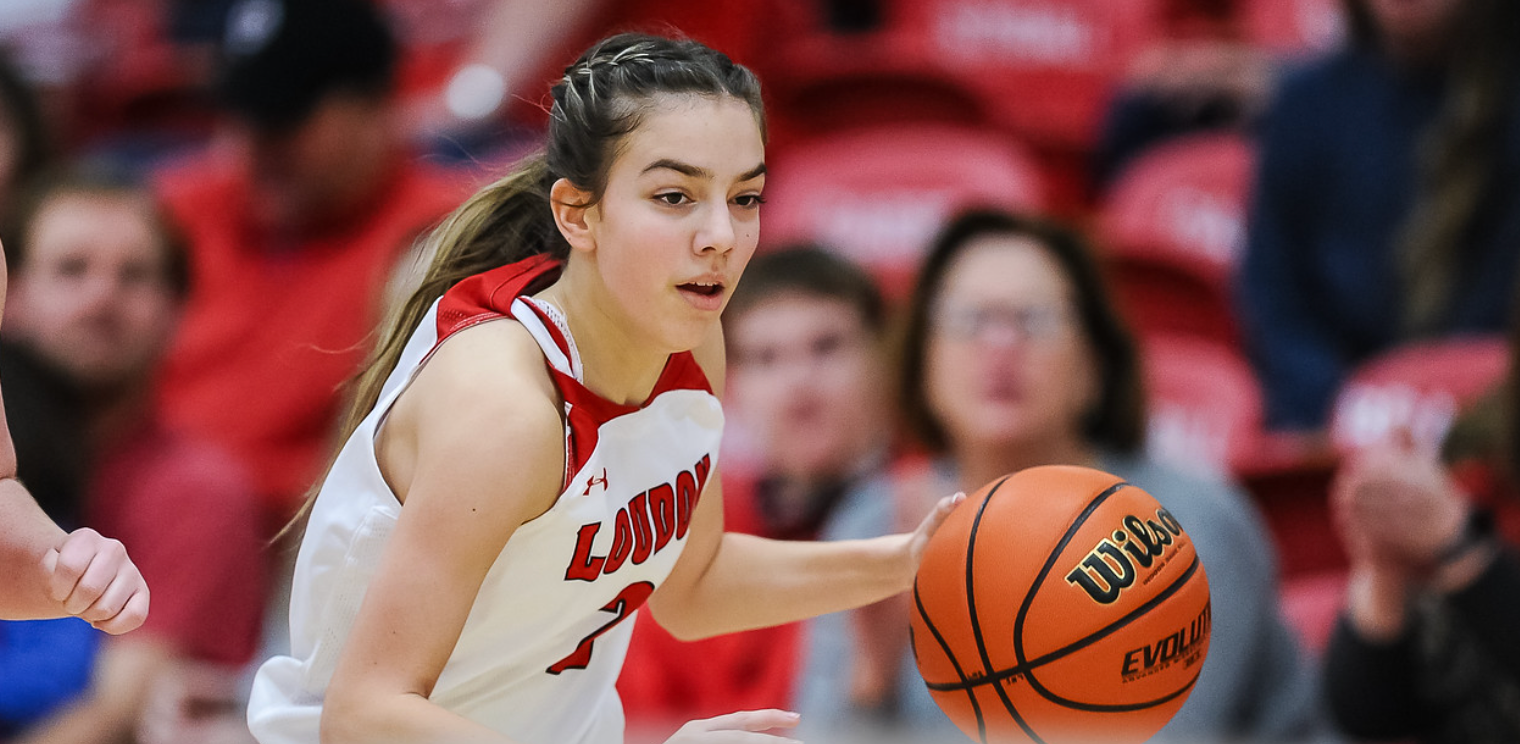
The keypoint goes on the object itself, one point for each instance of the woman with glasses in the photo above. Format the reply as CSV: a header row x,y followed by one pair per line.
x,y
1016,357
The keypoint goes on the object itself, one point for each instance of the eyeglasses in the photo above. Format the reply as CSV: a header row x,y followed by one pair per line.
x,y
988,322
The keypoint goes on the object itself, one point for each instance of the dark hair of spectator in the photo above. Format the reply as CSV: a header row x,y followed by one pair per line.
x,y
1361,30
1458,165
104,182
281,58
21,113
1117,421
812,271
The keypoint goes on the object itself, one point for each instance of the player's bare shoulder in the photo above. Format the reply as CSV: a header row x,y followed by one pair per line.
x,y
485,402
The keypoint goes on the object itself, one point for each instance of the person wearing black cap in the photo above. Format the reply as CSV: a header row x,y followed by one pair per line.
x,y
294,220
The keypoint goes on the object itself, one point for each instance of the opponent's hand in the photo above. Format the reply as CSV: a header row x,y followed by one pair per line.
x,y
91,577
743,727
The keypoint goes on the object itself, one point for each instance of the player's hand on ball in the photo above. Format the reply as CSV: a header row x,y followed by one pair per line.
x,y
918,541
91,577
743,727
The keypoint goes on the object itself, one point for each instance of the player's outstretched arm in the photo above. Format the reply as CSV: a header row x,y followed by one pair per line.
x,y
727,582
743,727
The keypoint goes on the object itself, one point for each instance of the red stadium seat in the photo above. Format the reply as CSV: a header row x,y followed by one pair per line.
x,y
1187,195
1048,67
1205,404
1206,415
880,195
1171,227
1311,602
1294,26
1419,387
1043,68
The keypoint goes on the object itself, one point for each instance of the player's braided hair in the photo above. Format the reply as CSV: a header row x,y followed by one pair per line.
x,y
599,100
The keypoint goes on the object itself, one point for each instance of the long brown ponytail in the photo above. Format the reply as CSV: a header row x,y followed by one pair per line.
x,y
595,104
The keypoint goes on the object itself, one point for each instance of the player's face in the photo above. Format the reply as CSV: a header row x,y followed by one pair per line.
x,y
92,294
680,216
802,378
1006,362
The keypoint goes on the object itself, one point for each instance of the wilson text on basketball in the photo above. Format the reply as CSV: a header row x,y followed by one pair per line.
x,y
1112,566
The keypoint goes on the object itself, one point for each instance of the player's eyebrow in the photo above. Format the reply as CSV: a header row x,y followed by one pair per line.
x,y
685,169
696,171
753,173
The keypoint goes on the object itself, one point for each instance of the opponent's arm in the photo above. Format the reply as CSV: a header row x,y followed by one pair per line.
x,y
46,572
726,582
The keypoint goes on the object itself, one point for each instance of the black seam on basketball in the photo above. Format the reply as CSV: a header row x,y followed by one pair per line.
x,y
1094,708
976,627
981,723
1098,635
1050,562
1173,588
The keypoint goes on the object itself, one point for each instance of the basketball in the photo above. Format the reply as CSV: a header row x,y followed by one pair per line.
x,y
1060,604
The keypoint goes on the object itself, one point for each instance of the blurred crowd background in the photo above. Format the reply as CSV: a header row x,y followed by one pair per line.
x,y
1256,256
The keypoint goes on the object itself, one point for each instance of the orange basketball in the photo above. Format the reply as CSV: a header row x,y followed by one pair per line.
x,y
1060,604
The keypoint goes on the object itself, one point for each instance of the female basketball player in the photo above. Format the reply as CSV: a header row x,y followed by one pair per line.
x,y
46,572
511,492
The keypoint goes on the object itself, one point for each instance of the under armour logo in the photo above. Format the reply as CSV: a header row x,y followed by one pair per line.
x,y
594,481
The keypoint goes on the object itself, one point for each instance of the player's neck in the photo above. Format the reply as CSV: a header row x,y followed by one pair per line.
x,y
617,365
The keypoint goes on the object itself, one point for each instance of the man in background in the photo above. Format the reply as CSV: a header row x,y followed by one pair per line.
x,y
295,219
98,287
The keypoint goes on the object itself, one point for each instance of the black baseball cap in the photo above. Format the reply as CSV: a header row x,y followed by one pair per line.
x,y
279,58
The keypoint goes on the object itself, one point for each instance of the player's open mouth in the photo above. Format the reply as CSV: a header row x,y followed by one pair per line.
x,y
705,289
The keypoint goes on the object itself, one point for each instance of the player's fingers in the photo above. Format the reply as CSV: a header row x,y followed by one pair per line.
x,y
941,511
131,616
123,585
74,558
103,567
50,566
690,735
751,720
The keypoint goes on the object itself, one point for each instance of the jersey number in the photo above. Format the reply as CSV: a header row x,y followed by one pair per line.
x,y
631,598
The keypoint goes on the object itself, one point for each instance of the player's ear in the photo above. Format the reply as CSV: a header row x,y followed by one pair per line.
x,y
573,208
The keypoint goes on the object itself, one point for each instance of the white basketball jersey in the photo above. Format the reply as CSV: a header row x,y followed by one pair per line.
x,y
539,655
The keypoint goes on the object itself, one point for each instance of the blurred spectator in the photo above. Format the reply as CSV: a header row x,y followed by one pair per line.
x,y
1202,75
472,71
1425,649
295,222
24,147
1387,202
97,286
1014,358
804,332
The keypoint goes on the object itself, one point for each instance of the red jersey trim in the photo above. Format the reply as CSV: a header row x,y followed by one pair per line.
x,y
489,296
